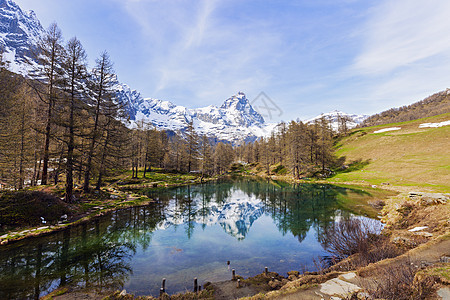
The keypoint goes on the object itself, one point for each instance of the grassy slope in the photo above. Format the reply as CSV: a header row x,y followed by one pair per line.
x,y
411,156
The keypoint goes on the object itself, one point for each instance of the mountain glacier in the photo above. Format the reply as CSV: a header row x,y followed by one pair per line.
x,y
19,35
235,121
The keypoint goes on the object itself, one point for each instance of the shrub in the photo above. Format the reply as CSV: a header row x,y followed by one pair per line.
x,y
359,237
350,236
399,282
27,208
280,170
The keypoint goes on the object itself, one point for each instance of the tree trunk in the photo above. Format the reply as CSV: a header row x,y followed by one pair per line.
x,y
102,162
94,134
46,146
70,144
22,149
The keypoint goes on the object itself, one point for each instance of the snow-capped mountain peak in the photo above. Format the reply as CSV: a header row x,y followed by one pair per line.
x,y
238,101
333,117
19,34
234,121
242,111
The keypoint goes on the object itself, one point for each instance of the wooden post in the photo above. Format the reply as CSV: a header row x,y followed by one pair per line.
x,y
195,285
234,274
266,270
238,285
163,285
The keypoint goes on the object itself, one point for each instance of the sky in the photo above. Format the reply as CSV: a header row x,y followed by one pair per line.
x,y
307,56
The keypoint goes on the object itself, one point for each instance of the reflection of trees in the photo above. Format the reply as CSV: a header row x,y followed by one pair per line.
x,y
294,208
98,254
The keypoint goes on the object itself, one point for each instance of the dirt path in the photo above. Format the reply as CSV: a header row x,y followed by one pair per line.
x,y
228,290
429,253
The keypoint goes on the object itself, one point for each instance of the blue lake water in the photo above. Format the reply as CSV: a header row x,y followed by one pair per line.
x,y
188,232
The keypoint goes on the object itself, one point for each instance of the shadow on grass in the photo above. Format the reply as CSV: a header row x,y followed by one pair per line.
x,y
337,141
353,166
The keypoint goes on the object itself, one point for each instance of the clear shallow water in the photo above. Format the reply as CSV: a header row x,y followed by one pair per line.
x,y
189,232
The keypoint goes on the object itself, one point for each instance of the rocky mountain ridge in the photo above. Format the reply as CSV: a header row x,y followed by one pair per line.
x,y
235,121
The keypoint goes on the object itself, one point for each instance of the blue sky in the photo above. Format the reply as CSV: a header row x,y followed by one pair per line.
x,y
308,56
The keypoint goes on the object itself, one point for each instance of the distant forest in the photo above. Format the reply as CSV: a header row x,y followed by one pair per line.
x,y
433,105
64,124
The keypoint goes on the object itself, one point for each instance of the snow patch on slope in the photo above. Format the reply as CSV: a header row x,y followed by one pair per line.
x,y
387,129
434,125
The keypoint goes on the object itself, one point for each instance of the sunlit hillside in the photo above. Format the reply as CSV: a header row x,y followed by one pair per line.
x,y
410,156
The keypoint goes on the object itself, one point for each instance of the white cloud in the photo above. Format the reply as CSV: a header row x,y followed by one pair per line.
x,y
195,48
404,32
310,56
404,55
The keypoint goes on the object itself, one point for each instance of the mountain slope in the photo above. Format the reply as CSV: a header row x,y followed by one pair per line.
x,y
433,105
407,153
19,34
333,117
235,121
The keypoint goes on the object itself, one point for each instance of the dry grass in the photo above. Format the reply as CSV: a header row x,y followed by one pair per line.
x,y
360,241
400,282
204,294
402,213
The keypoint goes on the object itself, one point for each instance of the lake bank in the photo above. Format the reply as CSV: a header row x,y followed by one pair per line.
x,y
394,213
249,221
118,194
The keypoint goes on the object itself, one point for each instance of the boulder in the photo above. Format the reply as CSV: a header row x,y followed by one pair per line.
x,y
445,259
275,284
434,199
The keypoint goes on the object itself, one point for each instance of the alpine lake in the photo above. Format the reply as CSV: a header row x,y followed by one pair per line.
x,y
189,231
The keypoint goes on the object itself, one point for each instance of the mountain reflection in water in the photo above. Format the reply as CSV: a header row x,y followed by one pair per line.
x,y
252,223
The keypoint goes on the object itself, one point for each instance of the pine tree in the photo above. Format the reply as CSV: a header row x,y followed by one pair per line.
x,y
101,84
265,155
223,157
325,143
297,147
17,112
75,74
114,136
192,141
281,140
343,124
49,56
206,156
